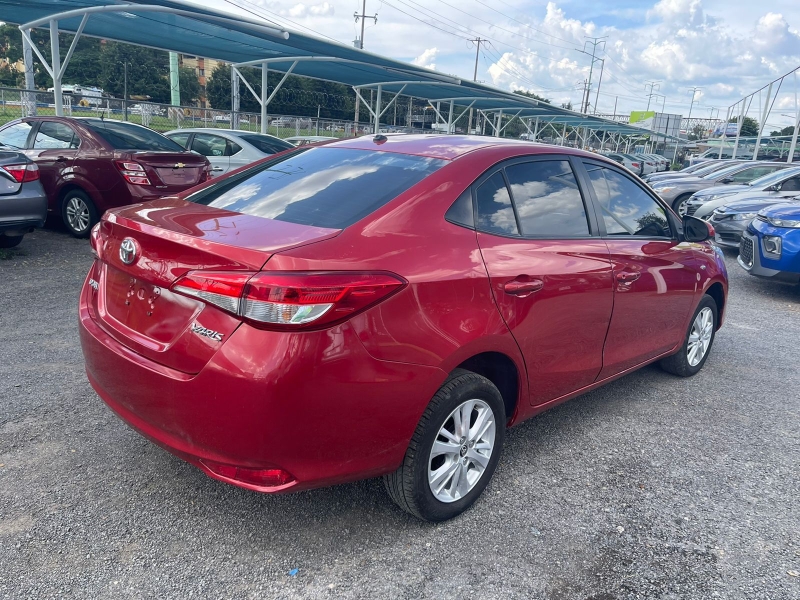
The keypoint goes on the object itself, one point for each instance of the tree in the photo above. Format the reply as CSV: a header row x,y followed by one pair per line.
x,y
218,87
785,131
749,126
567,105
532,95
696,133
190,86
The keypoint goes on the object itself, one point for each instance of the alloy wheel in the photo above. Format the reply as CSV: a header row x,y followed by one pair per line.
x,y
682,207
700,336
78,216
461,450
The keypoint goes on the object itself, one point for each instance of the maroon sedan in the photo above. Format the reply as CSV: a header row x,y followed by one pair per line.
x,y
89,165
388,306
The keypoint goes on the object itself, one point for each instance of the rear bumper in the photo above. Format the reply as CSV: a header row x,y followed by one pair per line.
x,y
23,210
315,405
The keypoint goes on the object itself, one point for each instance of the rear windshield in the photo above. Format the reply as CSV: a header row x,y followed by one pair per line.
x,y
127,136
267,144
321,187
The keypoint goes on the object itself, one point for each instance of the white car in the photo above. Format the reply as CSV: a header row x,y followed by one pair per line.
x,y
228,149
304,140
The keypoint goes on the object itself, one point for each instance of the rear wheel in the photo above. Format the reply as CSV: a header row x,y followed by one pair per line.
x,y
695,349
454,450
9,241
78,212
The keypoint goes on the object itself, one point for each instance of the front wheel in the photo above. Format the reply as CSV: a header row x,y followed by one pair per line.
x,y
79,213
695,349
680,204
454,451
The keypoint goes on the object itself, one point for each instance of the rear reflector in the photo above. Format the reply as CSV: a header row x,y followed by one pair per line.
x,y
22,173
266,478
133,172
289,300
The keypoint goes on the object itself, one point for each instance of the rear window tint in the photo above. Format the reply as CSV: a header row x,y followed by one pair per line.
x,y
127,136
265,143
321,187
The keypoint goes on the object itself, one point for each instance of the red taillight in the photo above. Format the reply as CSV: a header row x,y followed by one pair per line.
x,y
635,164
263,478
133,172
96,241
206,174
22,173
289,300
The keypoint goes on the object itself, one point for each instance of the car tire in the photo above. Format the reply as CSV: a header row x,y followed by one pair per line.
x,y
10,241
681,200
702,330
78,212
460,478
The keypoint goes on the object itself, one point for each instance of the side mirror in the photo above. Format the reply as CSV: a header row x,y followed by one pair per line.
x,y
726,180
777,187
696,230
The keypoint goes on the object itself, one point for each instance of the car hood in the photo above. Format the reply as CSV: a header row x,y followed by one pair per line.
x,y
723,189
752,204
786,210
678,181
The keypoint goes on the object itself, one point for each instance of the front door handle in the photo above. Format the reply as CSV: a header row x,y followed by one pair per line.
x,y
522,287
628,276
218,169
61,159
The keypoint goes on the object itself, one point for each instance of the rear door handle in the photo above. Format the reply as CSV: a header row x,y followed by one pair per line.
x,y
218,169
522,288
628,276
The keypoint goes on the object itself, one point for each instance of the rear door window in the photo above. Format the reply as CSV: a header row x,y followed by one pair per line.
x,y
210,145
15,136
321,187
181,138
547,199
52,135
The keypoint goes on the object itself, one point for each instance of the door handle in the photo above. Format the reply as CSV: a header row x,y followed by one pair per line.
x,y
61,158
628,276
218,169
517,287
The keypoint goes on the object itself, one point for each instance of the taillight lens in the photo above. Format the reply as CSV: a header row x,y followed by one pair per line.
x,y
96,241
635,164
133,172
289,300
206,174
22,173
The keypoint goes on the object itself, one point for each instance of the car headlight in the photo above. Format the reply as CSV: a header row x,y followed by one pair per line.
x,y
772,245
744,216
715,197
783,223
662,190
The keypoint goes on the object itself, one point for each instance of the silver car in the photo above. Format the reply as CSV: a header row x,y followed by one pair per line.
x,y
784,183
676,192
23,203
228,149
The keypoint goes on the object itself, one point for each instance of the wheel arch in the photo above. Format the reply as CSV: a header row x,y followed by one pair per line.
x,y
717,293
502,371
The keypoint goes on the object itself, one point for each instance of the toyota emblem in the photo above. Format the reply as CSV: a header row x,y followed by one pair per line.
x,y
127,251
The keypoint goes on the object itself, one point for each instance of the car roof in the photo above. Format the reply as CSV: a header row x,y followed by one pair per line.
x,y
448,147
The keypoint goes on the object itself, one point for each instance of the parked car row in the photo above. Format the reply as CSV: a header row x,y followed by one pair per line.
x,y
640,164
23,203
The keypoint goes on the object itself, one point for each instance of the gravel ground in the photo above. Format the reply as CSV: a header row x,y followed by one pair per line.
x,y
652,487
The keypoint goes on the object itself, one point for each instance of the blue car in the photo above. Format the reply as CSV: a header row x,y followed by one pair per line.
x,y
770,246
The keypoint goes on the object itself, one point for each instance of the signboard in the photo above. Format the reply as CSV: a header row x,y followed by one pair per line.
x,y
731,129
663,123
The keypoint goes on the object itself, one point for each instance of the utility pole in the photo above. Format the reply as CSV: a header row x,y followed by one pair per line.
x,y
363,16
599,82
595,42
653,85
689,127
477,42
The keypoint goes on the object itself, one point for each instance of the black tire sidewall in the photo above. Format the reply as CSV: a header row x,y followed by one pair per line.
x,y
10,241
707,301
469,388
92,212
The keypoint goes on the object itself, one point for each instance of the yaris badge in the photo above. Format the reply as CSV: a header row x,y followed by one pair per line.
x,y
127,251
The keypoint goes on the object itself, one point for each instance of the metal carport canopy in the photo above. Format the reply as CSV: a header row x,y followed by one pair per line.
x,y
179,26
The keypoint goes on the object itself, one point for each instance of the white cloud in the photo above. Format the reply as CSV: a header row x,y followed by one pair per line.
x,y
298,11
427,59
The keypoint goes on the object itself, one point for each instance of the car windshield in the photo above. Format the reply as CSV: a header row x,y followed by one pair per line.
x,y
720,171
773,178
127,136
266,143
321,187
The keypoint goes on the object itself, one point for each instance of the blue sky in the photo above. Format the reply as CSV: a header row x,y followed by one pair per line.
x,y
729,48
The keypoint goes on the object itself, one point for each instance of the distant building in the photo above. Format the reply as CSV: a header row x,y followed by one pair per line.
x,y
202,68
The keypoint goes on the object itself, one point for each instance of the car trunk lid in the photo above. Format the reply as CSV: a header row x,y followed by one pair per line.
x,y
164,240
171,171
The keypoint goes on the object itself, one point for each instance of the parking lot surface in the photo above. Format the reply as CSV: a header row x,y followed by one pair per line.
x,y
652,487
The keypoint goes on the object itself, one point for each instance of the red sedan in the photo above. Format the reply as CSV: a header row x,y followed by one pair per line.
x,y
88,165
388,306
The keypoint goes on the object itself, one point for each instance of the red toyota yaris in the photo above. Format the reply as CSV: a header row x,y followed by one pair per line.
x,y
388,306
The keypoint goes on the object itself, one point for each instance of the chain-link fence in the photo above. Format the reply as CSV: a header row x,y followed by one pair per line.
x,y
16,103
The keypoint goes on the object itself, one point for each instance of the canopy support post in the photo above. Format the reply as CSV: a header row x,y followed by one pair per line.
x,y
264,98
56,69
793,145
763,121
378,111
